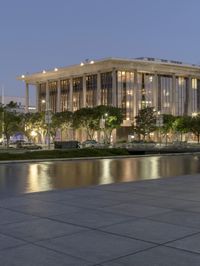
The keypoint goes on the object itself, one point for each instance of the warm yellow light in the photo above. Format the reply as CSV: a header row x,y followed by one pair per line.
x,y
44,72
82,64
55,69
33,133
92,62
150,78
43,101
22,76
194,114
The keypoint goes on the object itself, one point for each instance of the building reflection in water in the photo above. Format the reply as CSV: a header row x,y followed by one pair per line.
x,y
38,178
31,177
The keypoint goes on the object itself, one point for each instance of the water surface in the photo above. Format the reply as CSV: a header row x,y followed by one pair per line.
x,y
33,177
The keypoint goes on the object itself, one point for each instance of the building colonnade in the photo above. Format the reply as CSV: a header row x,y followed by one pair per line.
x,y
130,90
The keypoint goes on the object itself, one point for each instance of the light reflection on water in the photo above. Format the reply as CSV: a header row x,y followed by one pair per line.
x,y
32,177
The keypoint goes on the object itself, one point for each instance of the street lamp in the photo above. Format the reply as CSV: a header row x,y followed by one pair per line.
x,y
103,124
159,123
48,120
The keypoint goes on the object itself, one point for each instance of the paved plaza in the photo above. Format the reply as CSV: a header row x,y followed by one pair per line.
x,y
146,223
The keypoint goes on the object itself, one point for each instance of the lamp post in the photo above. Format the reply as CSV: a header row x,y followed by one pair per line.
x,y
2,102
48,120
159,123
103,124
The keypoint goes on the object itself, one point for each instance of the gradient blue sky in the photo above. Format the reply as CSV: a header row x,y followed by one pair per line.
x,y
43,34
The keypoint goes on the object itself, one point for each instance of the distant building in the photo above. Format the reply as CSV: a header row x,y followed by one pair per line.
x,y
20,103
171,87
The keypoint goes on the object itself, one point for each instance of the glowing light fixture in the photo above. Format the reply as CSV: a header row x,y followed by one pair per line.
x,y
43,101
22,76
194,114
33,133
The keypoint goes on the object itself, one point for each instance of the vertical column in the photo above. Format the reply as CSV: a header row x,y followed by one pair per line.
x,y
114,87
27,98
173,94
71,94
189,97
37,86
135,89
119,90
98,99
47,96
84,91
58,109
155,92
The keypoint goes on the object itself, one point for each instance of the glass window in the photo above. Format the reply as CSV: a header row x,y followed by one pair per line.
x,y
77,93
106,88
91,90
65,91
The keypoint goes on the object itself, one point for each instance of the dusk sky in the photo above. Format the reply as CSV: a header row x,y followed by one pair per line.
x,y
43,34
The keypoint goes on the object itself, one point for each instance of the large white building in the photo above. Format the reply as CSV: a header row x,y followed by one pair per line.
x,y
171,87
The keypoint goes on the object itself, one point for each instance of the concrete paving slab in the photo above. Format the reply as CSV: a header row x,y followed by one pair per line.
x,y
147,230
39,229
134,209
181,218
150,223
92,218
169,203
94,202
42,209
10,217
191,243
9,242
95,246
158,256
31,255
15,201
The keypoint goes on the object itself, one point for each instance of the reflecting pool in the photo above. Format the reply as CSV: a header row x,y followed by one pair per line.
x,y
33,177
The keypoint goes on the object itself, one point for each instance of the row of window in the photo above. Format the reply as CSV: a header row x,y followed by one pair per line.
x,y
141,90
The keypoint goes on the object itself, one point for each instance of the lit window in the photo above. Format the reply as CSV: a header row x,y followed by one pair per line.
x,y
180,81
194,83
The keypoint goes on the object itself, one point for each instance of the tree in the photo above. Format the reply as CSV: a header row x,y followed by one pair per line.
x,y
62,121
145,122
182,125
194,126
86,118
27,125
168,121
10,123
112,117
37,124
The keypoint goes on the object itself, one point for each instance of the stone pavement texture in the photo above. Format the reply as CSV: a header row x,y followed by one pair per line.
x,y
146,223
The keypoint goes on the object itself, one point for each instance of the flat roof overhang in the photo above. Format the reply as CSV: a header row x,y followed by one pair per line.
x,y
112,63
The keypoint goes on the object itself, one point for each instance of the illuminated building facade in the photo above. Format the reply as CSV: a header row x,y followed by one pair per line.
x,y
170,87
